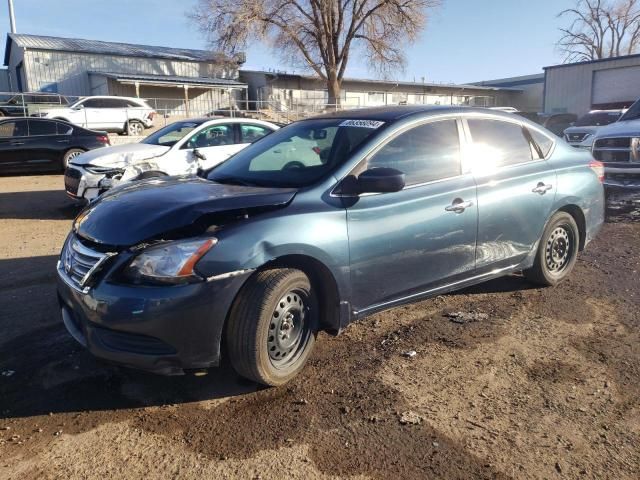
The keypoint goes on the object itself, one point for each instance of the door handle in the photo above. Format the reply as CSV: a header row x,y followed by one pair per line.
x,y
14,144
458,206
62,141
541,188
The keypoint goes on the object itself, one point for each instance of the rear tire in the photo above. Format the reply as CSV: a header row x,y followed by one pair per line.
x,y
272,326
134,128
557,251
70,155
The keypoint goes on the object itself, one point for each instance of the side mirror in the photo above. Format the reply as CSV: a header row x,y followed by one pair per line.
x,y
79,107
376,180
198,154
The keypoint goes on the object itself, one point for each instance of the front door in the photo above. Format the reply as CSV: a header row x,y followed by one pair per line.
x,y
405,243
215,143
14,144
516,189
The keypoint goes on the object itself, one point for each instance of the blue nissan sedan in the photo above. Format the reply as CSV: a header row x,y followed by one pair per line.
x,y
321,223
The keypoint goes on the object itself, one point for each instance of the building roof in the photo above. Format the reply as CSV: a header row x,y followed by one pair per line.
x,y
508,82
172,79
98,47
454,86
600,60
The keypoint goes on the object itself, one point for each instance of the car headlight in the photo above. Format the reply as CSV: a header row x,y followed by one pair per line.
x,y
588,135
169,263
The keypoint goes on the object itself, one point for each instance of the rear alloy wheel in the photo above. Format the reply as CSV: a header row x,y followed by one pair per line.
x,y
272,326
70,155
135,128
557,252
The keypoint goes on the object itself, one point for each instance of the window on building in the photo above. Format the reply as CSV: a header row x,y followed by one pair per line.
x,y
499,143
375,98
425,153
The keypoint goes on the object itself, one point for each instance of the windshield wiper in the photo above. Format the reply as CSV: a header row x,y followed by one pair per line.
x,y
235,181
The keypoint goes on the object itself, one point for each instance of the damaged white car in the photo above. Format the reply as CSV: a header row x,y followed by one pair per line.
x,y
181,148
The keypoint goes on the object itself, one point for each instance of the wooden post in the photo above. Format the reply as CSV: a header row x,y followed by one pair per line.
x,y
186,99
137,84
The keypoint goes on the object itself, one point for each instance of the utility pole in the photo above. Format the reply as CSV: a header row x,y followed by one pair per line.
x,y
12,17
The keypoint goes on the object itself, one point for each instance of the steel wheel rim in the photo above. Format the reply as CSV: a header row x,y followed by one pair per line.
x,y
135,128
559,249
289,329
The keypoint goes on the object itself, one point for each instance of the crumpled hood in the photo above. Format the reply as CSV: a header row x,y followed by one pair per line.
x,y
625,128
139,211
120,155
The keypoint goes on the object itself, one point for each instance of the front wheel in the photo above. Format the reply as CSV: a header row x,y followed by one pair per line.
x,y
557,251
272,326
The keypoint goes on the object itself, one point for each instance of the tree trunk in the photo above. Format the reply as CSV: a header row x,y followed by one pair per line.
x,y
333,87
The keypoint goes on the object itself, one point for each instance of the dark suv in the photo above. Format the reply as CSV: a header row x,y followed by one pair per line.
x,y
318,224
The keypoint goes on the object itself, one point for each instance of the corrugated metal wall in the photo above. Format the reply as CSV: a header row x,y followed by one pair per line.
x,y
67,72
570,88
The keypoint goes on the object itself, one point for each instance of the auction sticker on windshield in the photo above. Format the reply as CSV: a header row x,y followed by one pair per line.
x,y
362,123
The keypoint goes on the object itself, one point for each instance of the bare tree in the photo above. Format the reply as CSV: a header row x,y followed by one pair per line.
x,y
600,29
318,34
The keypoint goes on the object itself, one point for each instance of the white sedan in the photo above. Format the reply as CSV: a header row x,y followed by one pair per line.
x,y
181,148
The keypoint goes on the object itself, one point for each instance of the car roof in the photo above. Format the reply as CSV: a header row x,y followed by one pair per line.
x,y
396,112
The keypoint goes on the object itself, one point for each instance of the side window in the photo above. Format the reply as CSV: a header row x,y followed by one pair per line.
x,y
64,128
42,127
93,103
504,142
213,136
18,128
425,153
543,142
251,133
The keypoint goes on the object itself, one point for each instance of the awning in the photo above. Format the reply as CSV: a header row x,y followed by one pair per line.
x,y
171,80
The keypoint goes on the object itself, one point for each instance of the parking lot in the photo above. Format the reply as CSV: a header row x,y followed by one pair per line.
x,y
532,383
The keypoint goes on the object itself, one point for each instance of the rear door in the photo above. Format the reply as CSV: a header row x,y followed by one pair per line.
x,y
46,145
115,113
516,188
14,144
405,243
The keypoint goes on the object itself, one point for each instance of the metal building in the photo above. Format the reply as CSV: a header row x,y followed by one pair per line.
x,y
532,87
597,84
89,67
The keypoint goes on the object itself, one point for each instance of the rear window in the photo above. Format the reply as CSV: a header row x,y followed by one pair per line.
x,y
42,127
499,143
545,143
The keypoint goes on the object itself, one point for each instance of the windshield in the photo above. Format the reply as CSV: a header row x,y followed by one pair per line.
x,y
633,112
297,155
171,134
597,119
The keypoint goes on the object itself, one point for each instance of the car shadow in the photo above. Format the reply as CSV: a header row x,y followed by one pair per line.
x,y
506,284
43,370
38,205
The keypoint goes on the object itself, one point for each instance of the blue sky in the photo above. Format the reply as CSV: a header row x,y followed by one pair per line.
x,y
465,40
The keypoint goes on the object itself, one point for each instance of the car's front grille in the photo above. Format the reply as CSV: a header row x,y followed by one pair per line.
x,y
576,137
617,149
72,180
78,263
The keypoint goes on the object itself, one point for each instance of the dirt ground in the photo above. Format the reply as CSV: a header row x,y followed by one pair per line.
x,y
545,385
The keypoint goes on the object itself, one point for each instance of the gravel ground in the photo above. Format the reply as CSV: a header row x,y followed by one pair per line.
x,y
532,383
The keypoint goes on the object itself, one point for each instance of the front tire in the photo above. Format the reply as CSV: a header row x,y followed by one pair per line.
x,y
557,251
272,326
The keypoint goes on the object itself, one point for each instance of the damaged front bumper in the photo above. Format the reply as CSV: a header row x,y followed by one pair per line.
x,y
622,175
161,329
83,184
